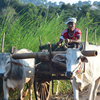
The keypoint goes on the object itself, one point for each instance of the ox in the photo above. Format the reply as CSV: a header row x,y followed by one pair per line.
x,y
16,73
83,70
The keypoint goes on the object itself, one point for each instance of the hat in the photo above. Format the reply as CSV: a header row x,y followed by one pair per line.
x,y
71,20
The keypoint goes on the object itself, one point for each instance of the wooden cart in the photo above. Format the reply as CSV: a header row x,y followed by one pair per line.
x,y
50,70
47,71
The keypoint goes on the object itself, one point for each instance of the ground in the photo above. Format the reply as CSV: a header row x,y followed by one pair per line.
x,y
70,96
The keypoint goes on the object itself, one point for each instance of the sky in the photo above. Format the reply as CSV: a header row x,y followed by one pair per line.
x,y
71,1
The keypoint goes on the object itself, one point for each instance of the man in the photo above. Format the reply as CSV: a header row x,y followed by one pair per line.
x,y
71,34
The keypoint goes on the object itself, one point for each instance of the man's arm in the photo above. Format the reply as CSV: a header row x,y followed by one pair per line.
x,y
70,40
60,42
78,39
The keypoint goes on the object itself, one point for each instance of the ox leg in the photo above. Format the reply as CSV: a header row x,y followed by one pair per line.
x,y
75,91
5,90
20,93
96,88
30,88
90,92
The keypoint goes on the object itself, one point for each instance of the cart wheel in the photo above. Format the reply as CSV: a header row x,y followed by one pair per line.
x,y
41,89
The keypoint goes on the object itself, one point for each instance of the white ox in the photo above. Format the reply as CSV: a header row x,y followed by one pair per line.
x,y
82,75
16,73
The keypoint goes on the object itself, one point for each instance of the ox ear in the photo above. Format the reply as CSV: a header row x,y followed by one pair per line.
x,y
84,59
60,57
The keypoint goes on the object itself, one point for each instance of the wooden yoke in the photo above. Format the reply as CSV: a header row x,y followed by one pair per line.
x,y
45,55
36,55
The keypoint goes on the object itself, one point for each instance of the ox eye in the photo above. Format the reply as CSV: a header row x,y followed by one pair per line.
x,y
78,58
66,59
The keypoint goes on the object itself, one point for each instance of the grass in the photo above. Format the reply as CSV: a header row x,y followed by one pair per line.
x,y
25,34
63,87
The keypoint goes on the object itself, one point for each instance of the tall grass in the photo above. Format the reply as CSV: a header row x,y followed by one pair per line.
x,y
86,22
23,33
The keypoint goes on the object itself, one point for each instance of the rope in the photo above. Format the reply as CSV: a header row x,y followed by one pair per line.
x,y
57,48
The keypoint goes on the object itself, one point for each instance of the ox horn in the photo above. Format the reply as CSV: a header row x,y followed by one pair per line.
x,y
40,55
90,53
81,47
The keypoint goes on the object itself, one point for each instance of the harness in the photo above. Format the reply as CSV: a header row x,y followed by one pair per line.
x,y
77,67
79,71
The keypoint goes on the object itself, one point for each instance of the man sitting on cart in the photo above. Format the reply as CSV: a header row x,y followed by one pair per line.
x,y
71,34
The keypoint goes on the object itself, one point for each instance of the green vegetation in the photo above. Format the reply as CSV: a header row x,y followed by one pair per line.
x,y
24,23
63,87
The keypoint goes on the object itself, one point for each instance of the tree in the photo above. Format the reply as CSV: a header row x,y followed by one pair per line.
x,y
96,3
60,3
79,3
8,17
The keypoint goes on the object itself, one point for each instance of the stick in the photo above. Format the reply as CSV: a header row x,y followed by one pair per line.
x,y
55,27
3,42
40,47
40,40
86,38
95,36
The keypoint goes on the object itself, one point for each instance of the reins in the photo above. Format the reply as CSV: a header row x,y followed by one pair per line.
x,y
77,68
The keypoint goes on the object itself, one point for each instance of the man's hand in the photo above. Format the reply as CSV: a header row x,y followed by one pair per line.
x,y
59,44
68,41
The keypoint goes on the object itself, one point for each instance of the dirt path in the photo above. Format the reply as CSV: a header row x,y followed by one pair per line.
x,y
82,96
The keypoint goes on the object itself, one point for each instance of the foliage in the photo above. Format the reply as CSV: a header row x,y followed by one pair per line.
x,y
46,3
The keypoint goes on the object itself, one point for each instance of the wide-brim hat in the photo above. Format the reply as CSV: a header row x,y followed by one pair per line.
x,y
71,20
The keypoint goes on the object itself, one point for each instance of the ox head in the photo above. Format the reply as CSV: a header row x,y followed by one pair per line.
x,y
4,65
74,59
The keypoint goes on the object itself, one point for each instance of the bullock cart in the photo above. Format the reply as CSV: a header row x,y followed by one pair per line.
x,y
47,69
